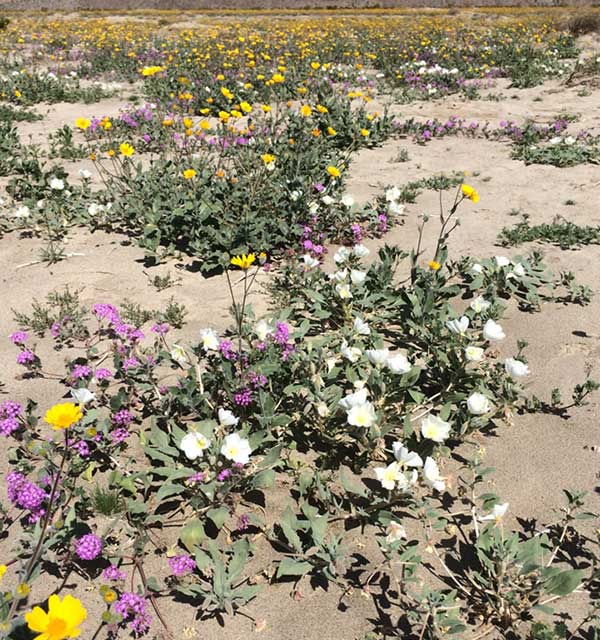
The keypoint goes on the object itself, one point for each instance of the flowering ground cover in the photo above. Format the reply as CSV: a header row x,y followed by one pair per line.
x,y
266,369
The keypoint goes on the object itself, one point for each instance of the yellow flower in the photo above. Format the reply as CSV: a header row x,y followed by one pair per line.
x,y
62,620
322,109
82,123
245,107
334,172
111,153
3,569
265,107
106,124
63,416
331,131
433,265
277,77
267,158
150,71
315,65
109,596
305,110
18,94
188,174
365,133
469,192
126,149
226,93
23,590
244,262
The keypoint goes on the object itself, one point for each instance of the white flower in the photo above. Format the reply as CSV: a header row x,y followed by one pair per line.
x,y
392,194
343,290
347,200
361,327
178,354
477,268
434,428
378,356
209,339
519,270
395,532
406,457
263,328
515,368
85,174
360,251
497,514
226,418
480,304
341,255
357,277
431,474
570,140
478,404
327,200
362,415
22,212
473,354
396,208
82,396
555,140
391,476
94,209
193,444
309,261
350,353
458,325
398,363
493,331
236,448
57,184
313,207
339,276
502,261
354,399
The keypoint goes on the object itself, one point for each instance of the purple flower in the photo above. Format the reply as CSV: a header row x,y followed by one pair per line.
x,y
112,573
26,357
131,363
25,495
161,328
81,371
103,374
182,565
134,608
243,522
224,474
123,418
88,547
119,435
19,337
243,397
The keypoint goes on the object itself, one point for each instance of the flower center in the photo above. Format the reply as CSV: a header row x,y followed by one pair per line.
x,y
57,629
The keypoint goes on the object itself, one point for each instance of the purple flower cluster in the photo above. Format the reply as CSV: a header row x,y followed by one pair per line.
x,y
26,495
81,371
103,374
19,337
123,418
88,547
227,350
9,417
134,608
26,357
111,314
282,338
243,397
112,573
182,565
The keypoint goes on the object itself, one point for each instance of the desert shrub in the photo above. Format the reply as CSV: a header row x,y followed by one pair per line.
x,y
579,25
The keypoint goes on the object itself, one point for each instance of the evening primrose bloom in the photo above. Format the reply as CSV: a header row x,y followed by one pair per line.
x,y
498,512
236,449
63,415
478,404
474,354
434,428
62,621
362,415
493,331
194,444
391,477
516,368
431,475
209,339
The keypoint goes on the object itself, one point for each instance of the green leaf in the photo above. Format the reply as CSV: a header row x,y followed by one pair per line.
x,y
218,516
564,582
192,534
291,567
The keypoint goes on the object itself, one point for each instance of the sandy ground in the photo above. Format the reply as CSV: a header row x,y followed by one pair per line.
x,y
535,458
